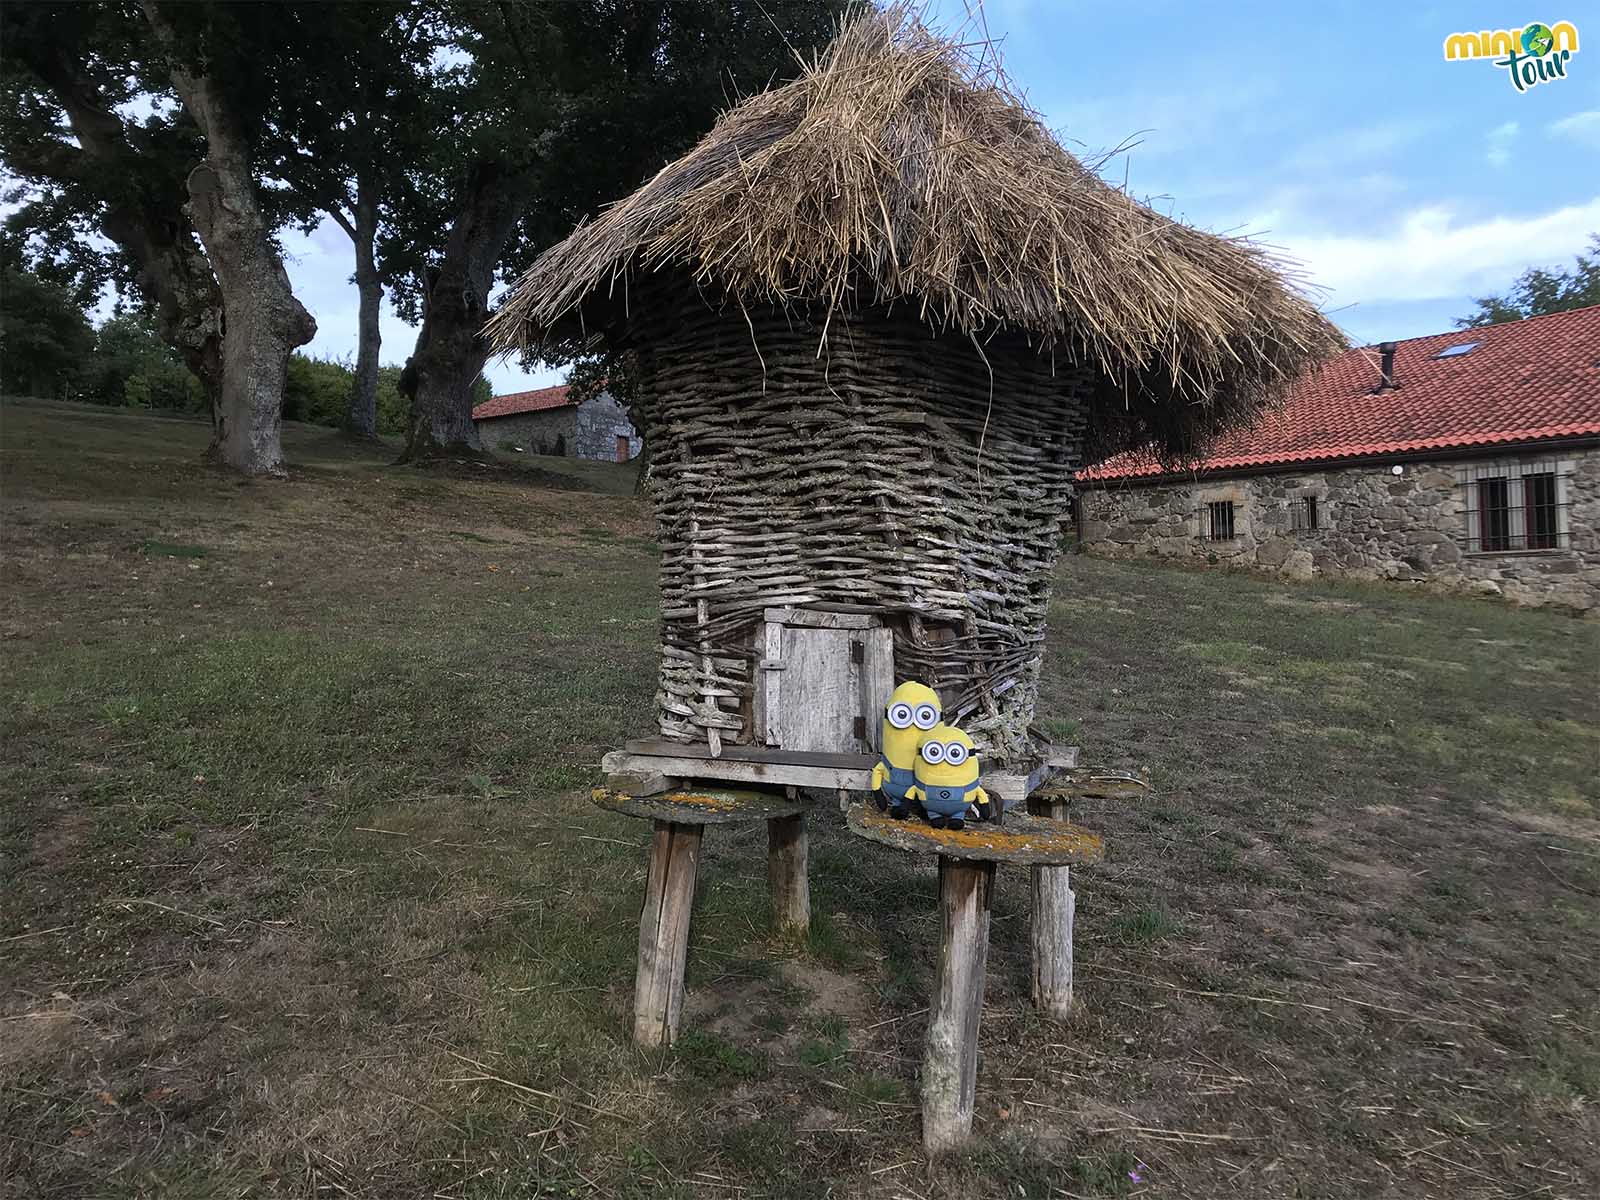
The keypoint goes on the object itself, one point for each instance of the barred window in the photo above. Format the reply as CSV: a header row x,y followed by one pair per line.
x,y
1494,513
1539,504
1305,514
1516,505
1220,525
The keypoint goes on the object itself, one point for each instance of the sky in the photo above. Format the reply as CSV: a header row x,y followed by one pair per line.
x,y
1401,184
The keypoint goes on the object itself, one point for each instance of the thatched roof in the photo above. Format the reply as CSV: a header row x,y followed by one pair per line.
x,y
900,168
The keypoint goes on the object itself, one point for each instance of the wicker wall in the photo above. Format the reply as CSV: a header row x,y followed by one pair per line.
x,y
888,473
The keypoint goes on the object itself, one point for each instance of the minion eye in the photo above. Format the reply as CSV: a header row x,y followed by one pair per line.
x,y
927,716
900,715
955,754
933,752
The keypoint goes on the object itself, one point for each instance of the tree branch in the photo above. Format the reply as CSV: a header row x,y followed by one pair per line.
x,y
328,195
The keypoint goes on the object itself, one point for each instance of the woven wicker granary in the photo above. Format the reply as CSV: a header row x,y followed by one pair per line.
x,y
874,320
897,473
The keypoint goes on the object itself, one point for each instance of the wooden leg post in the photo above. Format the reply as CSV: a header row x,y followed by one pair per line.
x,y
786,872
1053,906
950,1064
664,932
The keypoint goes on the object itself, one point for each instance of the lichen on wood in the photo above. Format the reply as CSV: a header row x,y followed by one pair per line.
x,y
1023,839
703,806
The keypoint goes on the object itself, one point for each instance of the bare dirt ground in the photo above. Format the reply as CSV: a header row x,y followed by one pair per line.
x,y
302,895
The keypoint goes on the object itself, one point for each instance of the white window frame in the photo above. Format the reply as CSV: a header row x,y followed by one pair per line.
x,y
1469,478
1234,494
1297,511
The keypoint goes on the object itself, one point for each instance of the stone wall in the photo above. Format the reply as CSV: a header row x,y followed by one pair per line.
x,y
587,430
1372,524
549,431
600,422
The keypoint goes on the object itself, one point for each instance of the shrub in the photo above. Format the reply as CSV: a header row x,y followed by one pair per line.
x,y
317,390
131,367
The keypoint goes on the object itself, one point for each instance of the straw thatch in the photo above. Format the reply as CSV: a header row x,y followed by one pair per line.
x,y
900,169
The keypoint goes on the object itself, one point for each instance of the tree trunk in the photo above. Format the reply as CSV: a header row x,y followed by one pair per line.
x,y
362,420
264,321
451,350
145,217
955,1011
189,311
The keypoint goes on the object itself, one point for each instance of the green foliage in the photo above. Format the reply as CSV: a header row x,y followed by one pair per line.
x,y
1144,925
393,407
831,1047
59,195
131,367
1108,1174
710,1056
1538,291
44,336
317,390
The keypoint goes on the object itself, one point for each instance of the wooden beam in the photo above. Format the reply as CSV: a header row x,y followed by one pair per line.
x,y
1096,782
664,932
741,770
813,618
787,854
640,783
950,1062
661,748
1053,907
796,768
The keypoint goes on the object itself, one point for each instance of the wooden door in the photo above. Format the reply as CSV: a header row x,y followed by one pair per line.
x,y
622,448
824,680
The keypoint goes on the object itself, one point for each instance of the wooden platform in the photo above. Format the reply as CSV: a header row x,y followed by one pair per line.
x,y
1040,839
1024,839
641,766
702,806
1083,783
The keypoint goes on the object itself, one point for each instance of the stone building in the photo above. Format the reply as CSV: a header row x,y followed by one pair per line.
x,y
549,421
1468,461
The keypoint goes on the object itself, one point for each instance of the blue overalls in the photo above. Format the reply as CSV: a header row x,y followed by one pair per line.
x,y
951,803
897,781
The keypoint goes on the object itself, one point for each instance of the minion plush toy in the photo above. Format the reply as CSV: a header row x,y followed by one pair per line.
x,y
946,778
912,711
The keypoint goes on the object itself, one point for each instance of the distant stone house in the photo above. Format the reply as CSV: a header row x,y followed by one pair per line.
x,y
549,421
1467,460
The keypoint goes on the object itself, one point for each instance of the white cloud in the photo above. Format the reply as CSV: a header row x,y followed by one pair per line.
x,y
1583,128
1429,255
1500,140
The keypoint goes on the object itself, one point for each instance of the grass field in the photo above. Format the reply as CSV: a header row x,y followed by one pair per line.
x,y
302,895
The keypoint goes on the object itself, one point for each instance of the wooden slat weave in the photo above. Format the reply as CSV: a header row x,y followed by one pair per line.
x,y
911,473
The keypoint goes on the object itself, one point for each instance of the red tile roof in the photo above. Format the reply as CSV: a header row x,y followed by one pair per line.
x,y
523,402
1524,381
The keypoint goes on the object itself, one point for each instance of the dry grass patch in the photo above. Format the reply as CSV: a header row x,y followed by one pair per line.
x,y
304,880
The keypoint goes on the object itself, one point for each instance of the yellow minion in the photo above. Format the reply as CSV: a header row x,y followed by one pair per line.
x,y
946,778
912,711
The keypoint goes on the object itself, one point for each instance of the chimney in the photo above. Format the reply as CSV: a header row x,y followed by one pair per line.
x,y
1386,367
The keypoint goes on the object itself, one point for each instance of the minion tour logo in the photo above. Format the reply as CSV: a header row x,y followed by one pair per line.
x,y
1531,55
